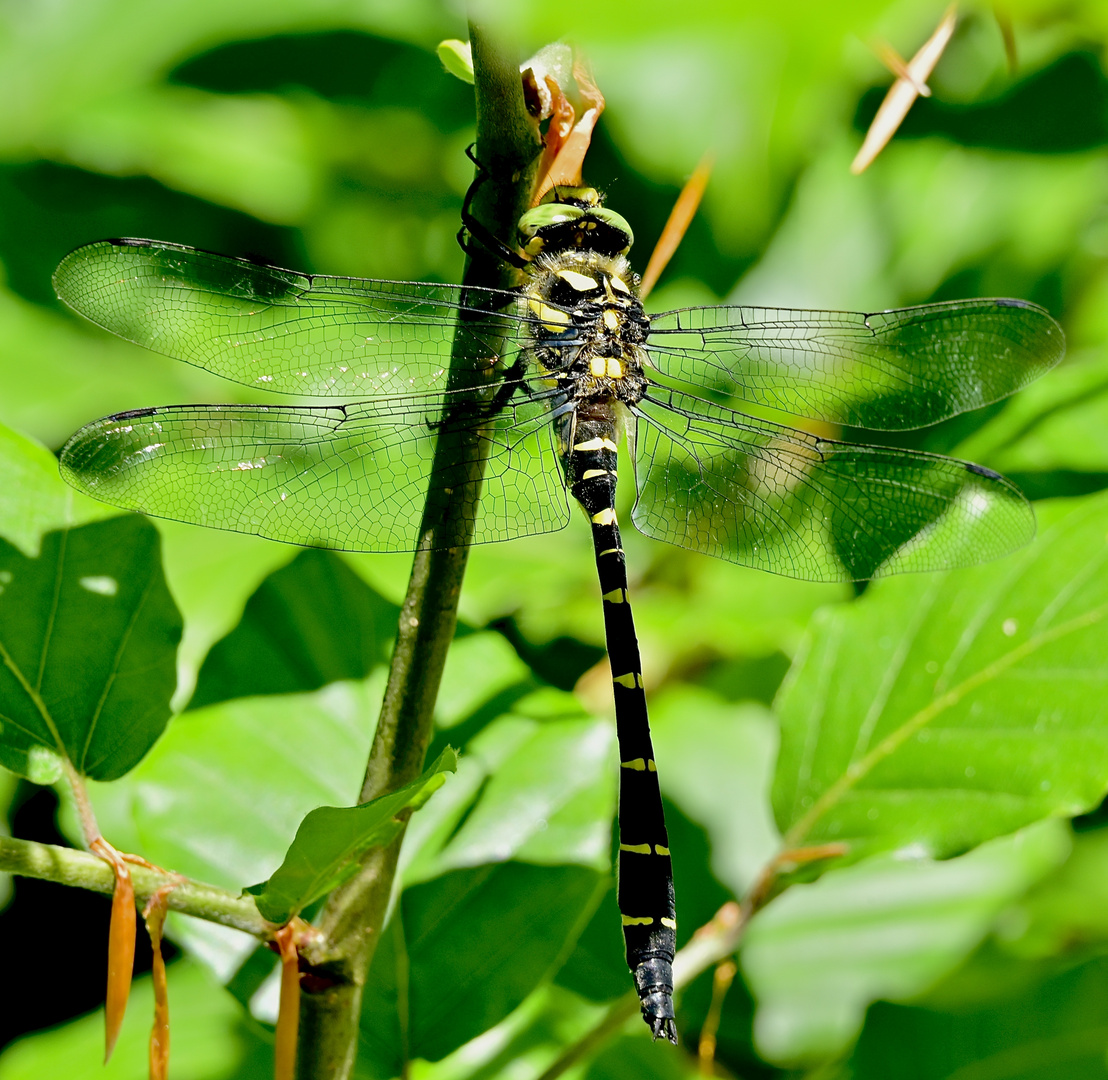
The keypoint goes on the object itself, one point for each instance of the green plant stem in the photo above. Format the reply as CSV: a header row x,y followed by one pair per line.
x,y
66,866
352,919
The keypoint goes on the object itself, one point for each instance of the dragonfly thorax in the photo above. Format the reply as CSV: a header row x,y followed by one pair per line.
x,y
587,325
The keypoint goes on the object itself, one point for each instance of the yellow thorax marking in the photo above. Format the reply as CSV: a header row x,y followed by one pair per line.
x,y
601,366
580,282
620,284
551,317
596,444
611,319
607,516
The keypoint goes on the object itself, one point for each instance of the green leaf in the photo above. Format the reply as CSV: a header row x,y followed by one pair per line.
x,y
213,1039
1054,1030
457,58
1067,911
243,775
819,954
461,696
715,761
88,640
1056,423
309,623
550,801
536,784
33,497
330,838
470,946
942,711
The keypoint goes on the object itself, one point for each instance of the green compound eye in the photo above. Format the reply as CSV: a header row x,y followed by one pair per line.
x,y
543,216
617,223
571,216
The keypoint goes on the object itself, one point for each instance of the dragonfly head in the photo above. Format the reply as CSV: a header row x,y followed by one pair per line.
x,y
570,218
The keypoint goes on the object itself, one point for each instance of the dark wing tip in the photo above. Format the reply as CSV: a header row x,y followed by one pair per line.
x,y
981,470
133,241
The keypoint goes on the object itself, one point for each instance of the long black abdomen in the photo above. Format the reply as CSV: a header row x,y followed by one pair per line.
x,y
646,901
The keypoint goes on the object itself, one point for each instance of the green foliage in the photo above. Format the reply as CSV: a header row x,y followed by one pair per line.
x,y
939,712
88,633
330,838
924,722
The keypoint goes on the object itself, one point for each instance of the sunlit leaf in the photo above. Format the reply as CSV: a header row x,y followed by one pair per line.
x,y
818,955
939,712
214,1038
243,775
33,497
330,838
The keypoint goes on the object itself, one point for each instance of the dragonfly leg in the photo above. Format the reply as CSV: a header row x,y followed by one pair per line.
x,y
472,229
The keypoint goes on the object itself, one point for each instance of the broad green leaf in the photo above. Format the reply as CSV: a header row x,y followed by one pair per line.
x,y
470,945
33,497
819,954
212,1037
330,839
715,761
461,694
88,636
939,712
1054,1029
525,1042
212,574
632,1057
1056,423
1067,911
309,623
536,784
221,796
551,801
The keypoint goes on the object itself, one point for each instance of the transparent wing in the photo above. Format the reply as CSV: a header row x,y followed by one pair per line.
x,y
890,370
350,477
276,329
781,500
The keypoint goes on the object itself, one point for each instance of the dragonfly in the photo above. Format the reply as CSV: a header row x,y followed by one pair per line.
x,y
712,402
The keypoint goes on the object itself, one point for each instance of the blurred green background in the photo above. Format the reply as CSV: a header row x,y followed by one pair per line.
x,y
324,136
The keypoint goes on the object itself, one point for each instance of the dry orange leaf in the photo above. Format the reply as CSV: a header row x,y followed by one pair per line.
x,y
722,979
677,224
911,82
565,168
288,1012
121,944
154,916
